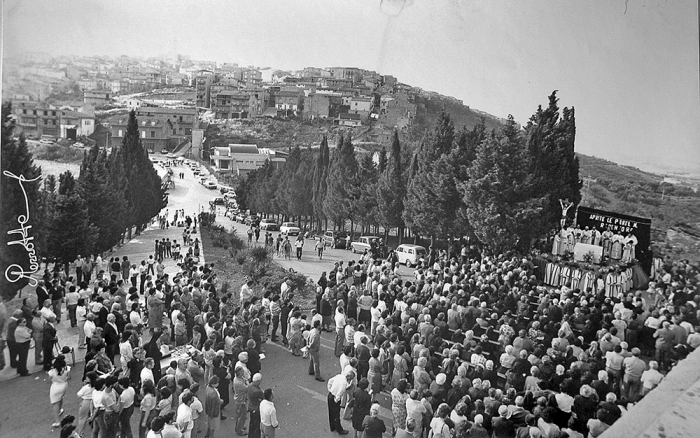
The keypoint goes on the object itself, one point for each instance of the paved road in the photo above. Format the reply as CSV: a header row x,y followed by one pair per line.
x,y
300,400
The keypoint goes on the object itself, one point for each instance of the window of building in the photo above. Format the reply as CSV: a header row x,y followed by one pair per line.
x,y
46,113
153,134
143,134
119,133
34,112
24,111
53,113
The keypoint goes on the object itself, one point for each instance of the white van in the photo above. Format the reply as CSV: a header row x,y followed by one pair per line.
x,y
409,254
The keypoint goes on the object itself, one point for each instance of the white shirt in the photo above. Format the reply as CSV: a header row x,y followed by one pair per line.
x,y
184,418
147,374
268,414
339,321
89,328
337,386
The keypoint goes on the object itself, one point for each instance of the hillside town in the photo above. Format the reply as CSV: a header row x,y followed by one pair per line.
x,y
176,98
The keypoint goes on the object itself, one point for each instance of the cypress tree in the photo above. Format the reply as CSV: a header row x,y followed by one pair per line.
x,y
391,190
553,163
337,203
320,181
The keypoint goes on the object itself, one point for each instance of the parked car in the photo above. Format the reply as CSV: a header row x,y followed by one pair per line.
x,y
363,243
289,229
409,254
47,139
163,151
269,225
218,201
334,239
252,220
210,185
240,217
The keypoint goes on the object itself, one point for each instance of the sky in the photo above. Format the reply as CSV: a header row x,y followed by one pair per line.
x,y
630,69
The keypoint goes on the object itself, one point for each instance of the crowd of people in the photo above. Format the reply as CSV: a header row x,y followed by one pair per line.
x,y
468,346
480,347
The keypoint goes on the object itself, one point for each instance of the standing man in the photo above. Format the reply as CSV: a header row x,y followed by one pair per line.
x,y
632,380
299,244
240,399
314,345
246,292
268,415
23,337
48,342
79,269
57,294
212,406
337,386
126,401
319,248
11,342
255,396
184,415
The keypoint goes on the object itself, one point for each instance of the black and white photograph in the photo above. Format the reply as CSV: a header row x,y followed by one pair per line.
x,y
373,218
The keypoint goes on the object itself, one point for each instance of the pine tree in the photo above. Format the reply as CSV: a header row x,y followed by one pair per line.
x,y
70,231
429,205
18,161
300,188
498,193
320,181
337,204
391,190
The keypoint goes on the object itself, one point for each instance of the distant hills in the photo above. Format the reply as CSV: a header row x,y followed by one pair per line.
x,y
672,204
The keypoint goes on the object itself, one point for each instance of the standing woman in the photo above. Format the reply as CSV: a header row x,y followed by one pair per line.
x,y
147,407
365,303
85,395
352,303
398,405
400,366
81,316
326,310
59,375
361,404
374,374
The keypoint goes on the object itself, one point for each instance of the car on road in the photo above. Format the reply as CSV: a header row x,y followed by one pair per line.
x,y
218,201
240,217
409,254
269,225
47,139
334,239
289,229
163,151
210,185
252,220
363,243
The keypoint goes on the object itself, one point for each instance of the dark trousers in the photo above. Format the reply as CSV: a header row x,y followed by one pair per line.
x,y
314,363
48,356
79,275
133,280
254,424
12,347
142,286
125,421
299,253
22,353
334,414
275,324
71,314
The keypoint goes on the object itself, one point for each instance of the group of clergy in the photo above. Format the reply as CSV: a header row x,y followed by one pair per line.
x,y
615,246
